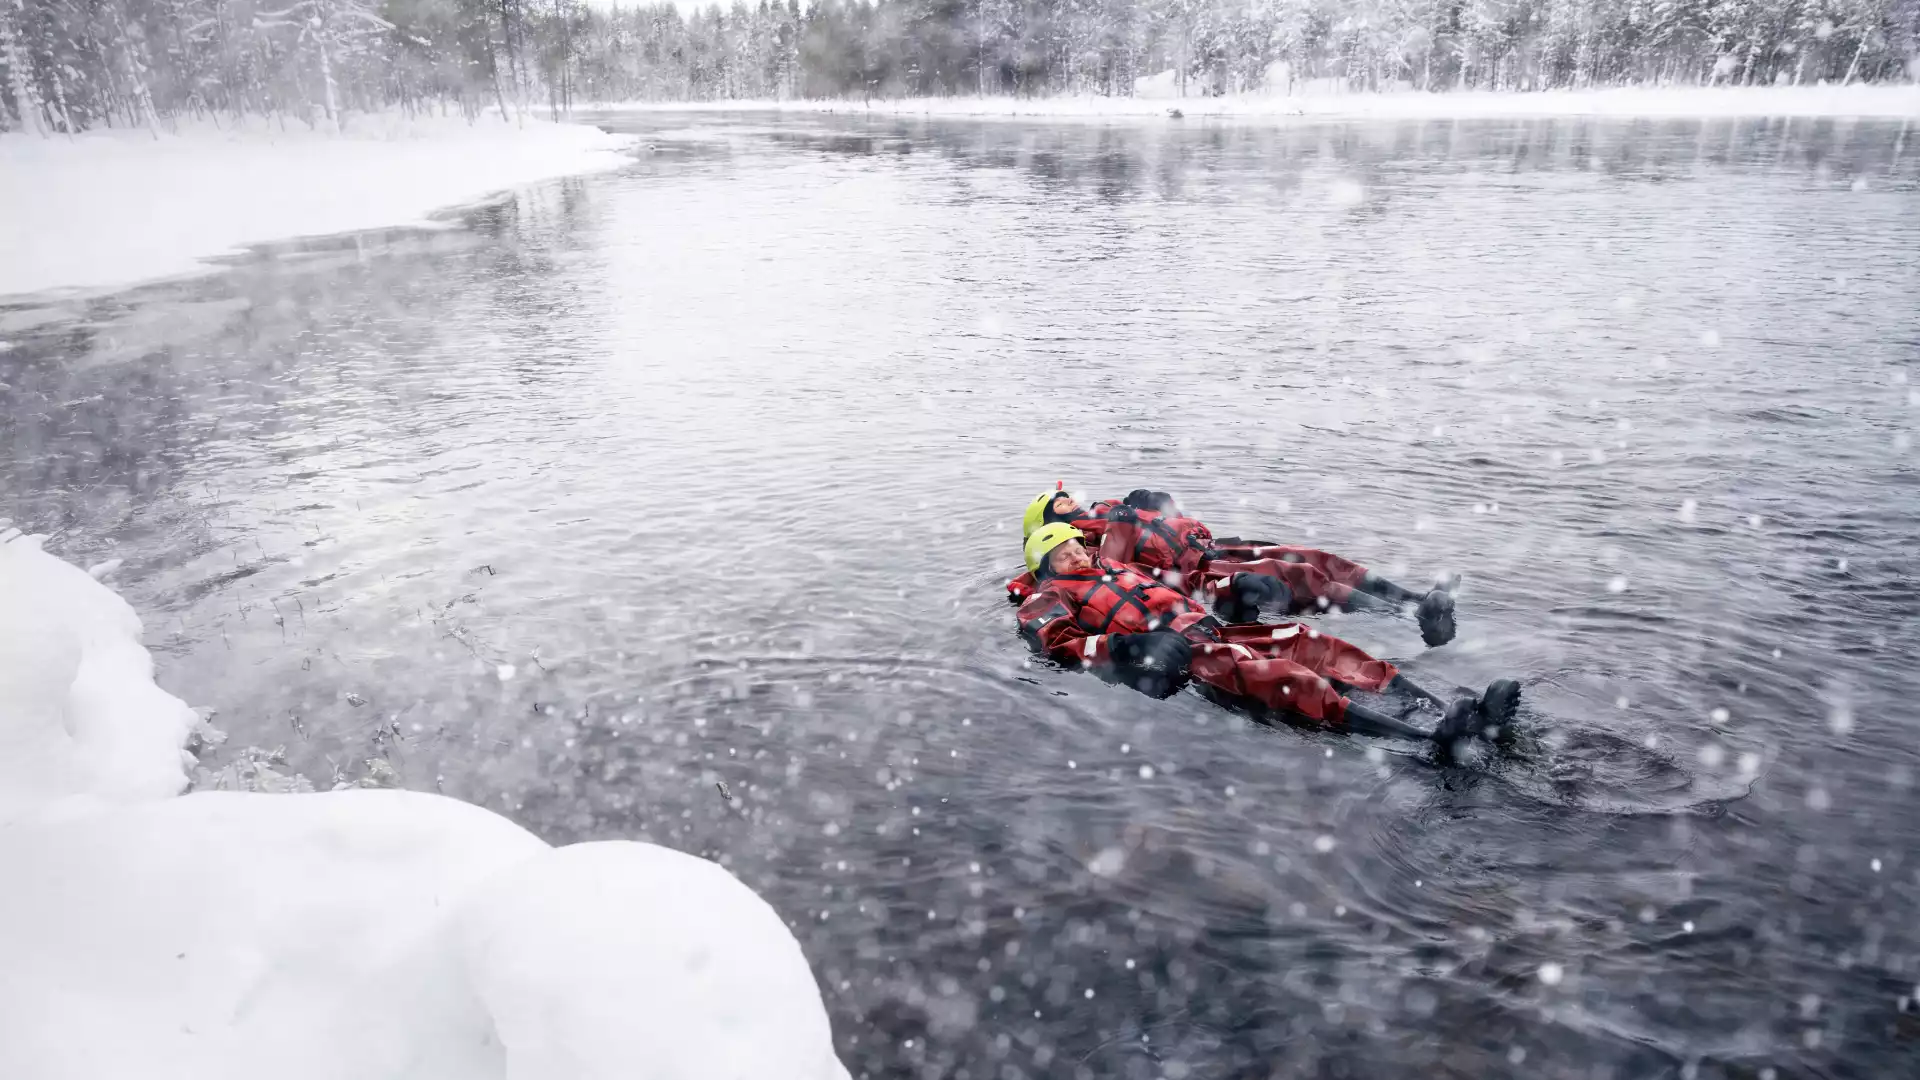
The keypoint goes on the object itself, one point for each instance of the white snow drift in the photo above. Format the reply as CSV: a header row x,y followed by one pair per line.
x,y
371,935
81,720
117,207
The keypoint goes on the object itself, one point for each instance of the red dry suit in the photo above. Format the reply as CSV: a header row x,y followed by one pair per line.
x,y
1073,618
1183,553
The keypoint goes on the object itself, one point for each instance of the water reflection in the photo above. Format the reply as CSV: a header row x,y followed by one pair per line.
x,y
1153,160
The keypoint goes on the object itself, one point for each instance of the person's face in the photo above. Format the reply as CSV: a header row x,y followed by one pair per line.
x,y
1069,558
1063,504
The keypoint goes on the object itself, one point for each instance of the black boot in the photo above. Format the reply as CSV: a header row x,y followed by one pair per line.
x,y
1436,618
1497,708
1460,725
1490,716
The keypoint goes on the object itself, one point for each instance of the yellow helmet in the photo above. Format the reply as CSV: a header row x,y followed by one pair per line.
x,y
1036,514
1045,539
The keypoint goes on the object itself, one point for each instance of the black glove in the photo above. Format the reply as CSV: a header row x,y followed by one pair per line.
x,y
1248,594
1155,663
1261,591
1157,501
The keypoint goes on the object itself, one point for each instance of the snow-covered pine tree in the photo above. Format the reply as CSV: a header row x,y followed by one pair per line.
x,y
335,33
26,102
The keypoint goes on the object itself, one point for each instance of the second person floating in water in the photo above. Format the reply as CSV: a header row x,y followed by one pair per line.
x,y
1146,532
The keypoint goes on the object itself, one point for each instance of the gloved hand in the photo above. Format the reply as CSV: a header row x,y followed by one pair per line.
x,y
1155,663
1144,499
1262,592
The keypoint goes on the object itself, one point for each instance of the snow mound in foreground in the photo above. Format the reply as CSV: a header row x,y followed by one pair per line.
x,y
353,934
80,717
562,992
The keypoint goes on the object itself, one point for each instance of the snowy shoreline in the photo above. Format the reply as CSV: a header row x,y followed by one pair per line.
x,y
153,932
1881,101
115,208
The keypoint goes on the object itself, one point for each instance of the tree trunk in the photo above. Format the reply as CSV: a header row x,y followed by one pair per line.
x,y
329,93
493,66
139,98
980,48
1854,68
566,59
25,101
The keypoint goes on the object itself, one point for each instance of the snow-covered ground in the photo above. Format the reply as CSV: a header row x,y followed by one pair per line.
x,y
1679,102
372,935
118,207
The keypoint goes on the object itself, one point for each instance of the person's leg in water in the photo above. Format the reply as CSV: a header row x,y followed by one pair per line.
x,y
1491,713
1489,716
1433,609
1366,721
1310,666
1287,686
1336,568
1283,587
1296,586
1402,684
1298,670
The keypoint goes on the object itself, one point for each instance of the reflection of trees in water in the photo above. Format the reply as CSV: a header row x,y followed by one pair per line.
x,y
531,243
80,443
108,408
1115,161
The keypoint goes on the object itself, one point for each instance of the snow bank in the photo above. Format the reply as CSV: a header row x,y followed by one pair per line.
x,y
80,718
207,934
552,947
113,208
1676,102
352,935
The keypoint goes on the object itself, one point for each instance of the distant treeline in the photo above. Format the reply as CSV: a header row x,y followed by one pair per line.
x,y
68,65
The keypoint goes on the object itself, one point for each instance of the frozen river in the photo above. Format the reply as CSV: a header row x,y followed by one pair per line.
x,y
710,471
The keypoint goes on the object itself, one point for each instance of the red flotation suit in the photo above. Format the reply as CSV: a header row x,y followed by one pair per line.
x,y
1072,618
1318,579
1181,552
1161,541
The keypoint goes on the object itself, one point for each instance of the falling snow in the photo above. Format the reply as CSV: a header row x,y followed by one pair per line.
x,y
440,511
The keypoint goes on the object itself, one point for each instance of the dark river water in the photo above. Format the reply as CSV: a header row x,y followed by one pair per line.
x,y
710,471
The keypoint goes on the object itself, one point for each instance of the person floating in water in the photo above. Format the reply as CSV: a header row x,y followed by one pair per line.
x,y
1243,578
1127,627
